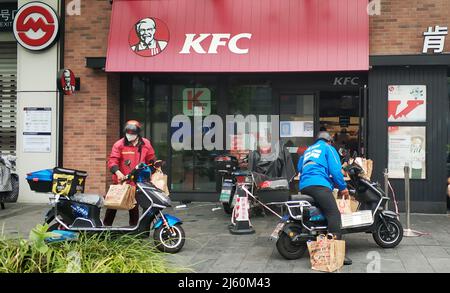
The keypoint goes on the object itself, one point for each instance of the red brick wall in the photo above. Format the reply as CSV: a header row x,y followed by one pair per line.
x,y
399,29
91,116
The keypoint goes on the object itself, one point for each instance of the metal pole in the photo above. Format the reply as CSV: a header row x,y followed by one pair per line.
x,y
408,232
407,197
386,187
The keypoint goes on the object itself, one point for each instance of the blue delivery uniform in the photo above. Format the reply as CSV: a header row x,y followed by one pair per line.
x,y
320,170
317,164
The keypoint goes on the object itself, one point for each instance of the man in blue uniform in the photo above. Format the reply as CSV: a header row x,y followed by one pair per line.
x,y
320,170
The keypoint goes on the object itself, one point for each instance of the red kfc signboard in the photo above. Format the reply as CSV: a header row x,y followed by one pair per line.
x,y
36,26
238,36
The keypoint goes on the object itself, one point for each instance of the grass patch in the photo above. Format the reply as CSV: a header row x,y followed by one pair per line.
x,y
91,253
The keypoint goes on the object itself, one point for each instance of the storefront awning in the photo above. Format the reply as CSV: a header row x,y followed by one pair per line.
x,y
238,36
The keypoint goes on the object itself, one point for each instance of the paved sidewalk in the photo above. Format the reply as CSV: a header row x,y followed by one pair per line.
x,y
211,248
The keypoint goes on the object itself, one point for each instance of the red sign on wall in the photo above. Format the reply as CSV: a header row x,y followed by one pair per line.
x,y
238,36
36,26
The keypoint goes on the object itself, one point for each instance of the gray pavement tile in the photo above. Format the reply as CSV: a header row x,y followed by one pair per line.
x,y
251,267
232,260
440,265
434,252
258,254
287,267
417,264
211,248
425,240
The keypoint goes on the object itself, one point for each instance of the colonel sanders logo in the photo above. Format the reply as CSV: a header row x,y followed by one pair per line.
x,y
66,82
149,37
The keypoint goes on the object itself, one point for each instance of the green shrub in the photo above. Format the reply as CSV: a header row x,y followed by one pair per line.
x,y
91,253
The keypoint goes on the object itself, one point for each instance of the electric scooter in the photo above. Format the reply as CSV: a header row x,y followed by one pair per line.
x,y
304,221
10,191
81,213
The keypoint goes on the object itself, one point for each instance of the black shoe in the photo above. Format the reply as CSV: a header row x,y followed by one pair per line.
x,y
347,261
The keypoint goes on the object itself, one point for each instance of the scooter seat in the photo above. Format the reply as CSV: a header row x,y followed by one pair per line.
x,y
305,197
86,198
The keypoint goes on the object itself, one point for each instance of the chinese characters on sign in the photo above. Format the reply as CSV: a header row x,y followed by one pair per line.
x,y
434,39
407,103
7,13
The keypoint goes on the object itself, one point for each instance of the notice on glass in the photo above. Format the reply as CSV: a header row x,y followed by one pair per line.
x,y
37,130
296,129
407,145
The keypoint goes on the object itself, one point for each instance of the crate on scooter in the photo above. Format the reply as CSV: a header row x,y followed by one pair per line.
x,y
68,182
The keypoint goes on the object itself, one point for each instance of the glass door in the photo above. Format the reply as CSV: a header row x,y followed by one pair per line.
x,y
193,169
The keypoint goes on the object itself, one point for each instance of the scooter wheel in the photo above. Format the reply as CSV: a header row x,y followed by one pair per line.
x,y
390,235
289,249
166,242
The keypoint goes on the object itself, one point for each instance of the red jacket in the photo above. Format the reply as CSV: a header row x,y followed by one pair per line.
x,y
122,151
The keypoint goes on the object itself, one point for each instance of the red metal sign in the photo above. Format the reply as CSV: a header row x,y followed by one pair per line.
x,y
36,26
238,36
66,81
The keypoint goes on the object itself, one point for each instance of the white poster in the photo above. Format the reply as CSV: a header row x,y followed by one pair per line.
x,y
37,120
37,130
37,143
296,129
407,103
407,144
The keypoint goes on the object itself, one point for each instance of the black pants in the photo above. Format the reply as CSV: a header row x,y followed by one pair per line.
x,y
111,214
325,201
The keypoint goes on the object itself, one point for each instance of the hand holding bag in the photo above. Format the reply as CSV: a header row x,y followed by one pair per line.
x,y
326,253
344,205
120,197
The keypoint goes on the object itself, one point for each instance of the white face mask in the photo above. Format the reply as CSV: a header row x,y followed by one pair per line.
x,y
131,137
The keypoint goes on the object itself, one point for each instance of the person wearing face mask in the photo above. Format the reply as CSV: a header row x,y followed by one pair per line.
x,y
132,147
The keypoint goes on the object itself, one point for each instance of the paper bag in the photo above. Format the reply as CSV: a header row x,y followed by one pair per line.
x,y
120,197
326,253
159,179
354,204
344,205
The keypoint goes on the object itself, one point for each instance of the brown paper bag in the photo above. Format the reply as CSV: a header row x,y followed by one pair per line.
x,y
159,179
120,197
326,253
354,204
344,205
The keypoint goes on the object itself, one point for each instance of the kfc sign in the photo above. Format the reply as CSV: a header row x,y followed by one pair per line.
x,y
196,43
148,37
239,36
36,26
196,101
66,81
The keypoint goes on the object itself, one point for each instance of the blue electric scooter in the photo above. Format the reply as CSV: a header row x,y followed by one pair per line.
x,y
81,213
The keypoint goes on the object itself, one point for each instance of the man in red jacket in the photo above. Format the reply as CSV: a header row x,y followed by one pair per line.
x,y
132,147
